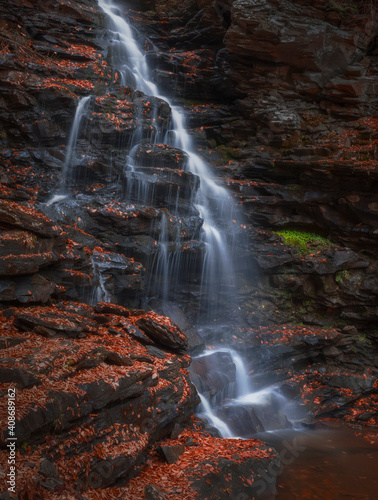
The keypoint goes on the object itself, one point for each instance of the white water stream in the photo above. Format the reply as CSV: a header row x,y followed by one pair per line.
x,y
213,202
243,399
216,422
81,108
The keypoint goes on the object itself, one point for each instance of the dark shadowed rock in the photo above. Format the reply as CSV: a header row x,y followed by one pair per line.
x,y
114,309
152,493
160,155
172,453
195,342
213,374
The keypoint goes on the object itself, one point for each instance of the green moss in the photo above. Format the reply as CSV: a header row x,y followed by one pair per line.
x,y
343,6
227,152
342,276
364,340
193,102
306,242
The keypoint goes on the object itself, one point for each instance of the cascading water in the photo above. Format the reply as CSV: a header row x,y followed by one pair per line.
x,y
240,411
242,378
100,293
70,152
81,109
212,202
221,426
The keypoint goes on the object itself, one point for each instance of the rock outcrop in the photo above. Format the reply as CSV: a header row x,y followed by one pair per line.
x,y
94,393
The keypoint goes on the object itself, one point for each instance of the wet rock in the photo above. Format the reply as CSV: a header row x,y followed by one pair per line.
x,y
117,116
136,333
214,373
114,309
241,421
172,453
161,187
18,376
71,325
159,156
6,342
48,469
164,332
26,263
152,493
154,351
28,219
34,288
350,330
195,342
70,386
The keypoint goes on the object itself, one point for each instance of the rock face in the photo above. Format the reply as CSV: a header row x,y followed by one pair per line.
x,y
212,468
98,386
289,113
293,134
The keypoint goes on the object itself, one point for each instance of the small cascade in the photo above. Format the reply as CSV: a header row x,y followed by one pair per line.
x,y
242,378
70,152
81,109
260,397
216,422
222,381
100,292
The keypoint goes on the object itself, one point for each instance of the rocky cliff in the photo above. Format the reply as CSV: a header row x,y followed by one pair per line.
x,y
280,97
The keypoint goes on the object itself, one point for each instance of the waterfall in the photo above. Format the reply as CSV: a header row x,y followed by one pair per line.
x,y
235,407
221,426
210,207
100,293
212,202
242,378
81,109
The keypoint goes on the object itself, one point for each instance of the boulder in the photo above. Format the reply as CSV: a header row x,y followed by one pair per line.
x,y
162,331
172,453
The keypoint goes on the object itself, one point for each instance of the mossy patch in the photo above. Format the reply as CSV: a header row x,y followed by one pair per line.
x,y
342,276
306,242
227,153
343,6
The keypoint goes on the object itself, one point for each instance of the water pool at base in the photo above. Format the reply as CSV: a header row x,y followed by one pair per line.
x,y
333,462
